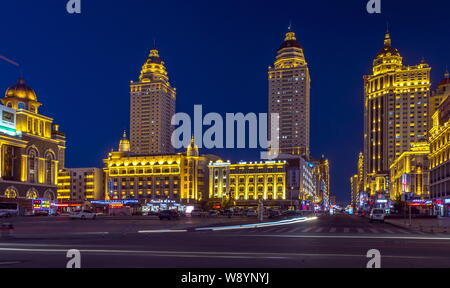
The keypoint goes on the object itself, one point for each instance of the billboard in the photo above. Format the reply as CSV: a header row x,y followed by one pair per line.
x,y
7,120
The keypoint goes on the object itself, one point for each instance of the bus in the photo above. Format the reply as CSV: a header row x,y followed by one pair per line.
x,y
9,209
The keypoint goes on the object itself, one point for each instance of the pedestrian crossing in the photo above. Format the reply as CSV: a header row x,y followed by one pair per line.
x,y
327,230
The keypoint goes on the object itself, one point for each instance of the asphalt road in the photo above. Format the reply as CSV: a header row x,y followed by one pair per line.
x,y
329,241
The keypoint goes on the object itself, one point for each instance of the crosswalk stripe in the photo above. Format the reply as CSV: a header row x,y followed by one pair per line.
x,y
360,230
346,230
374,231
319,230
389,231
403,231
307,229
270,230
295,230
282,230
333,230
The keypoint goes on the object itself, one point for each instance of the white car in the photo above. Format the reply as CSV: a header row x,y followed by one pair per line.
x,y
83,214
377,214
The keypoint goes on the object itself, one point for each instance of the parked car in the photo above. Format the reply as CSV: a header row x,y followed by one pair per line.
x,y
82,214
274,214
377,215
196,213
251,213
213,213
169,215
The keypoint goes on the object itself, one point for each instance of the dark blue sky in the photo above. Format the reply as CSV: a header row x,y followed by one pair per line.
x,y
217,54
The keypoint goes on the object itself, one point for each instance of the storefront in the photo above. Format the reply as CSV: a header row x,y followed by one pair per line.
x,y
155,206
42,207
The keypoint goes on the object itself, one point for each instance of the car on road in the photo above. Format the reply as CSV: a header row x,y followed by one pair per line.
x,y
213,213
377,214
169,215
274,214
251,213
82,214
196,213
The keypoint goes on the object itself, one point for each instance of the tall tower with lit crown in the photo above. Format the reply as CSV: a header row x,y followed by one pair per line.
x,y
289,96
152,107
396,110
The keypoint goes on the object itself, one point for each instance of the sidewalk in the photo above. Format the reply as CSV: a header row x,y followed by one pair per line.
x,y
438,225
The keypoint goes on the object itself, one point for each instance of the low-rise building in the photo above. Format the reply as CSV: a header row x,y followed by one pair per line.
x,y
440,156
181,177
410,174
81,184
31,147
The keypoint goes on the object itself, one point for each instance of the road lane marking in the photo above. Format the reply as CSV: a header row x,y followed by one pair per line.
x,y
307,229
374,231
360,230
346,230
319,230
355,237
333,230
161,231
403,231
389,231
295,230
208,254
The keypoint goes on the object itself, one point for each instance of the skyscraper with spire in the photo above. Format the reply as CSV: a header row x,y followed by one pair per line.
x,y
289,96
396,111
152,107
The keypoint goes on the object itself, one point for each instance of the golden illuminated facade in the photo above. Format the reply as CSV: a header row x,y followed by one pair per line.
x,y
440,153
32,148
81,184
289,96
244,182
439,95
321,175
152,107
357,182
396,112
181,177
410,173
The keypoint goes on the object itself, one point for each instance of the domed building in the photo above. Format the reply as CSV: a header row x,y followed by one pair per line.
x,y
397,98
180,178
31,145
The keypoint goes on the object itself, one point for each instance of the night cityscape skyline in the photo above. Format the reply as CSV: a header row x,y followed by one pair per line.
x,y
330,122
250,76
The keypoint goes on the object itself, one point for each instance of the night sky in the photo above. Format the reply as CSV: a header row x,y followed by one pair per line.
x,y
217,54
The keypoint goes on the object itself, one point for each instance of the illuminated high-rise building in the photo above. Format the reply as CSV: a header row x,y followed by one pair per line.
x,y
152,107
396,111
289,96
438,96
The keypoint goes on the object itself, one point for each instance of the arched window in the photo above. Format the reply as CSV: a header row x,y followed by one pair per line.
x,y
32,194
22,105
9,104
49,195
11,193
49,168
32,165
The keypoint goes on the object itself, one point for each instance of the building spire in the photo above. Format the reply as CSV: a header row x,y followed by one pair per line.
x,y
446,74
387,39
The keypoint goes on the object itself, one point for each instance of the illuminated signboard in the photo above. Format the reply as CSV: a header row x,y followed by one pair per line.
x,y
41,204
8,120
447,201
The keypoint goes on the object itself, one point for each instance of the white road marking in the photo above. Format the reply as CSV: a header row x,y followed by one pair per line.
x,y
333,230
319,230
374,231
360,230
356,237
307,229
161,231
346,230
388,231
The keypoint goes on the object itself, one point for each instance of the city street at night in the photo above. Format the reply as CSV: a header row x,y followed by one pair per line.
x,y
329,241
